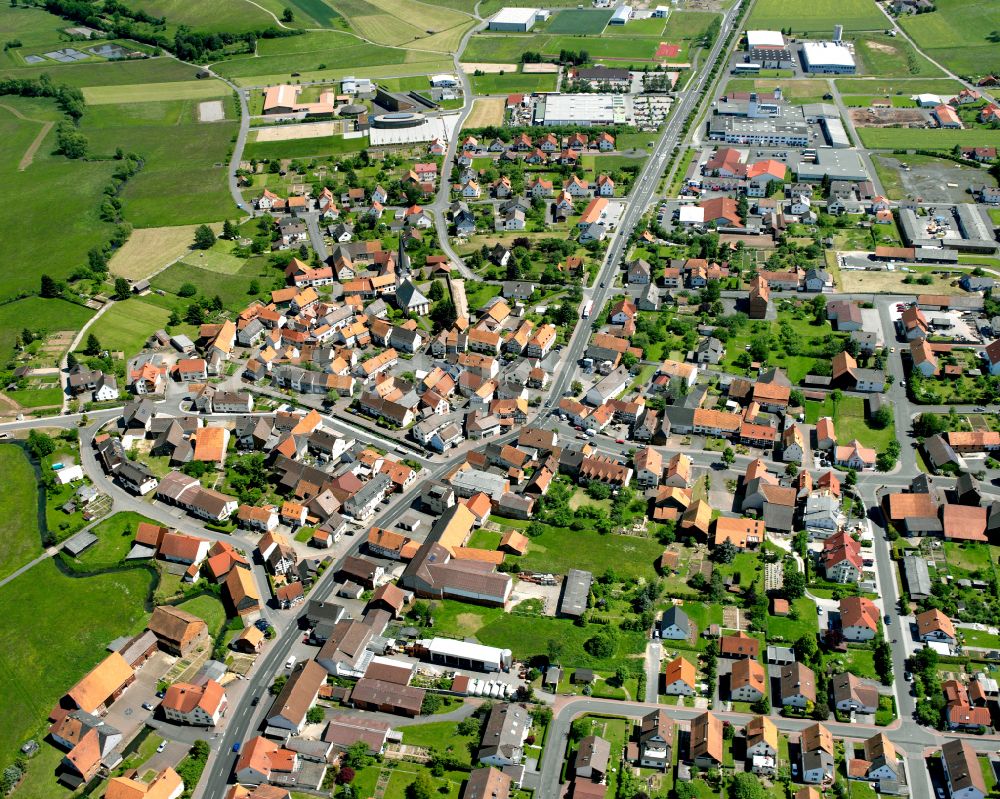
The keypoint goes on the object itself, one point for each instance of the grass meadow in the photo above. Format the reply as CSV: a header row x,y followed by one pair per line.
x,y
818,16
219,15
39,315
959,34
580,21
20,540
183,180
927,139
888,57
126,325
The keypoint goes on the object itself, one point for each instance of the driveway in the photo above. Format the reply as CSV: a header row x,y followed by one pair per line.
x,y
127,714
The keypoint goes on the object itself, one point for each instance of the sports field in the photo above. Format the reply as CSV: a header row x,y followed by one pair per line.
x,y
961,34
178,90
817,15
578,21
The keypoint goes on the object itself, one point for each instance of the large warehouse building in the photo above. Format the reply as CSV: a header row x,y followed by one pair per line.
x,y
584,109
772,40
827,58
517,20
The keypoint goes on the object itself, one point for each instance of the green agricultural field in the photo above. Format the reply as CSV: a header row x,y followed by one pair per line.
x,y
175,90
315,51
513,82
687,25
183,180
559,549
126,325
959,34
508,49
33,26
579,21
219,15
819,16
903,87
40,315
20,540
304,148
44,612
927,139
233,289
107,73
55,243
888,57
397,23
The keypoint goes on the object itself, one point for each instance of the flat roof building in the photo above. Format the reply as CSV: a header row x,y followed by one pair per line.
x,y
962,228
584,109
765,39
839,164
827,58
518,20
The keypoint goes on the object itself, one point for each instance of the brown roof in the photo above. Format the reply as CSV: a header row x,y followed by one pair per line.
x,y
299,692
964,522
911,506
175,625
748,672
101,682
706,737
739,644
815,737
380,693
858,611
933,621
797,678
487,783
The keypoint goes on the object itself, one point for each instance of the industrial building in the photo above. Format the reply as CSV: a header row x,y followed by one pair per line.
x,y
516,20
838,164
962,228
833,130
765,39
773,132
622,15
828,58
465,655
584,110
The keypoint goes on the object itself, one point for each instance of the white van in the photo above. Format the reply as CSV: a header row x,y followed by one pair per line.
x,y
290,662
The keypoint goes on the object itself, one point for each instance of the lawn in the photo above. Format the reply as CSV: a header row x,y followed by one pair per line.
x,y
126,325
810,338
53,629
443,737
980,638
528,635
478,294
209,609
513,82
886,711
321,146
973,559
485,539
559,549
859,662
19,537
788,629
818,16
958,34
850,422
927,139
115,535
581,21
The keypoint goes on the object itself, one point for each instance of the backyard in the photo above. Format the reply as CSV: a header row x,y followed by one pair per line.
x,y
850,421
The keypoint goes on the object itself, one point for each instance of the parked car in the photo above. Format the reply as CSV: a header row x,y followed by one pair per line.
x,y
161,747
147,706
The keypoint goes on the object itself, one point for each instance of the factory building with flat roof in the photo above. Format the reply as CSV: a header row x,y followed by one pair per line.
x,y
828,58
584,110
516,20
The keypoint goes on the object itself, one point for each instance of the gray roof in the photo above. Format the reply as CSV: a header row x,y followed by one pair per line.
x,y
409,296
918,579
674,615
576,589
